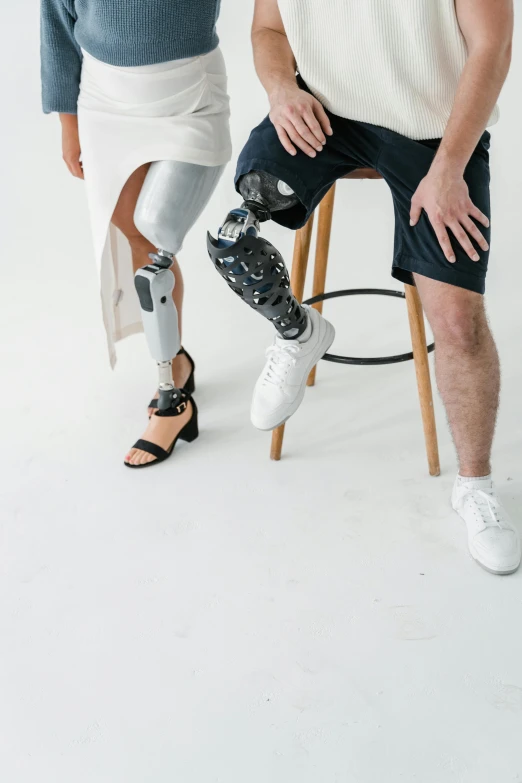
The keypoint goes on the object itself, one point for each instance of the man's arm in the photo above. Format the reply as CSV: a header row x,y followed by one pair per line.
x,y
487,26
299,119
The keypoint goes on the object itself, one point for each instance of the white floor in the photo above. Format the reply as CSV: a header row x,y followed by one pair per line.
x,y
225,618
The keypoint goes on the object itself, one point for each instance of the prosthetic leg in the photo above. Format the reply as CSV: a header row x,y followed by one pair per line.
x,y
172,198
251,266
154,285
256,272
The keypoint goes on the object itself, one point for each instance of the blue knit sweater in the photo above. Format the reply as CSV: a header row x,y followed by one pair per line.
x,y
118,32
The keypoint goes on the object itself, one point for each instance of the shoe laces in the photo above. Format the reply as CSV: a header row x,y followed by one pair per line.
x,y
281,358
486,505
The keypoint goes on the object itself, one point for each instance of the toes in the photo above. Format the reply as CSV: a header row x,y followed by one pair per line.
x,y
138,457
133,457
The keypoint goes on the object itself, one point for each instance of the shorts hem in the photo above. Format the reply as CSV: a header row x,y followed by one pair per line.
x,y
404,266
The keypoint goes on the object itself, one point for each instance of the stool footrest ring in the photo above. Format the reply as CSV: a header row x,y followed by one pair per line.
x,y
377,360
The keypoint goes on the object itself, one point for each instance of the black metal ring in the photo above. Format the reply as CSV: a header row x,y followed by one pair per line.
x,y
331,357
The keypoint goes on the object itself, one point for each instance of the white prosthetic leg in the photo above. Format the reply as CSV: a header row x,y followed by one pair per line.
x,y
172,198
154,285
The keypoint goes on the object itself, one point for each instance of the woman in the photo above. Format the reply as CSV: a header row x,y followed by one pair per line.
x,y
134,83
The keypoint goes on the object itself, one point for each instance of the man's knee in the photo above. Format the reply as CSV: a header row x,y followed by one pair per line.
x,y
461,325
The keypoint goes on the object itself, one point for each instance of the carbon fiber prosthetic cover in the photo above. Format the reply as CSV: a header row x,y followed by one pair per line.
x,y
257,273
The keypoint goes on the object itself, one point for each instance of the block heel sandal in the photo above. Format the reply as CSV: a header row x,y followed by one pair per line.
x,y
189,433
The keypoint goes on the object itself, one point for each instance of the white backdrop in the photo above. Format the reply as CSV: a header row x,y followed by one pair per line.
x,y
46,233
223,618
44,215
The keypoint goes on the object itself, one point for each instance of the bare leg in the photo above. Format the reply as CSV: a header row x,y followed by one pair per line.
x,y
467,369
123,218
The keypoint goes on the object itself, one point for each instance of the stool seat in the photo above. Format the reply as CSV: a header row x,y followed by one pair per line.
x,y
363,174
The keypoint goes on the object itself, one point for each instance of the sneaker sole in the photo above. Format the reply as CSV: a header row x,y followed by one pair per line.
x,y
323,347
496,572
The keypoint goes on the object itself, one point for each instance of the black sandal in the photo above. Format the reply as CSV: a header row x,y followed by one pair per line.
x,y
189,432
190,385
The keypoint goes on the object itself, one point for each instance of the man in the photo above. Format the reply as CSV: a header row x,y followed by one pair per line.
x,y
405,87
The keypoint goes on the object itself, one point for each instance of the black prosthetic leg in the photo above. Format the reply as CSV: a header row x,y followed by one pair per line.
x,y
251,266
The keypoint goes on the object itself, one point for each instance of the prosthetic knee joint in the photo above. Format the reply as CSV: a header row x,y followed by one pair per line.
x,y
251,266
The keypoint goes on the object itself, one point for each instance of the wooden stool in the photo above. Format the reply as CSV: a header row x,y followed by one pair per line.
x,y
415,314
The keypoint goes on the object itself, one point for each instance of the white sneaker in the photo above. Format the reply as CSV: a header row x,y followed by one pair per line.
x,y
492,538
280,388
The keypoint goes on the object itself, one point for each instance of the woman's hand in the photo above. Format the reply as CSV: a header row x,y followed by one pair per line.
x,y
299,119
71,150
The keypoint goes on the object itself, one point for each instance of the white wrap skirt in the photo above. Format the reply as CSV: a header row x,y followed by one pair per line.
x,y
131,116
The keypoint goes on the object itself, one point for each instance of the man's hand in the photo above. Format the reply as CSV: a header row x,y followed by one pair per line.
x,y
444,196
71,150
299,119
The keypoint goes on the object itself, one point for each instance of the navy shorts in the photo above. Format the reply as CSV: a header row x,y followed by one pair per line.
x,y
403,163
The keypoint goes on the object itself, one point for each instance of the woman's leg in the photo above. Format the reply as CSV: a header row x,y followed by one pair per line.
x,y
170,197
123,218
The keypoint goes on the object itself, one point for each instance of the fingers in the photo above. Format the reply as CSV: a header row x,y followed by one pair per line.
x,y
285,141
474,233
299,141
310,119
304,131
463,230
77,170
463,238
75,167
458,221
322,117
443,237
415,213
478,215
302,125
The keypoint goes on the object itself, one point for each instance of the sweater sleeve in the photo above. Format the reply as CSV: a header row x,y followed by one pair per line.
x,y
61,57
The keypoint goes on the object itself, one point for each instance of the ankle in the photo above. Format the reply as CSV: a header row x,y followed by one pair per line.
x,y
477,481
471,472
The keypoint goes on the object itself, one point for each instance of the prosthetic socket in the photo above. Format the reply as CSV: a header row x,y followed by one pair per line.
x,y
251,266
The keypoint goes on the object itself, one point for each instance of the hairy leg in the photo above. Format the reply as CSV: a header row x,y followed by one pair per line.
x,y
123,218
467,369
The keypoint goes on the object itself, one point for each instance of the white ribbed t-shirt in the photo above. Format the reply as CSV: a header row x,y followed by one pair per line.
x,y
393,63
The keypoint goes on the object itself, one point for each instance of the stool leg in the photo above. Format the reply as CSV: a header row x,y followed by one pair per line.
x,y
303,239
422,369
324,231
